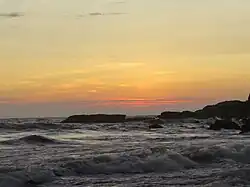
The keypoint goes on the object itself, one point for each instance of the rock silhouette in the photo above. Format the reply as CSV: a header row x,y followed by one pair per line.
x,y
95,118
246,126
138,118
155,126
176,115
226,110
224,124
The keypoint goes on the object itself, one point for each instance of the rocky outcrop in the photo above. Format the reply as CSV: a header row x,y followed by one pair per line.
x,y
226,110
96,118
224,124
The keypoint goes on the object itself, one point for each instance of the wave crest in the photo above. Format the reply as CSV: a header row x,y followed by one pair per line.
x,y
32,139
235,152
146,161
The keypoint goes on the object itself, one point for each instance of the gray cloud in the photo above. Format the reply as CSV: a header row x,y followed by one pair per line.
x,y
102,14
118,2
11,15
96,14
105,14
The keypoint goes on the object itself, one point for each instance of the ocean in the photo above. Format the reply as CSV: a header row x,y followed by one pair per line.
x,y
45,153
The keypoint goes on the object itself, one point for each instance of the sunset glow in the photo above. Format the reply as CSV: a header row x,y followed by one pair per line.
x,y
131,56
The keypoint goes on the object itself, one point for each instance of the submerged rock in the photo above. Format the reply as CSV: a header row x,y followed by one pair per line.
x,y
224,124
155,126
155,123
95,118
138,118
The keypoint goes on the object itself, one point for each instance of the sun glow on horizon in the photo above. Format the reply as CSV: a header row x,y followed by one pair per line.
x,y
164,54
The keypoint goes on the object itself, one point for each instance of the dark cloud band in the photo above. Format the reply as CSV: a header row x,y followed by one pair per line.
x,y
103,14
11,15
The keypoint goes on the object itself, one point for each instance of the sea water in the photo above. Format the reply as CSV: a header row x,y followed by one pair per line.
x,y
45,153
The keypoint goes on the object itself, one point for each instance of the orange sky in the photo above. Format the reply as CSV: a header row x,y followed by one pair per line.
x,y
63,57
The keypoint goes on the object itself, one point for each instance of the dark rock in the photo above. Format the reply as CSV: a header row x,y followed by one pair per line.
x,y
138,118
246,126
155,126
95,118
190,120
155,121
224,124
177,115
226,110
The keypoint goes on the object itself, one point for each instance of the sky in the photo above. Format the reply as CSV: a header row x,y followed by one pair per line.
x,y
64,57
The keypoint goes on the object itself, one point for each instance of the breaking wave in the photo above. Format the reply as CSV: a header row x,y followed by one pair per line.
x,y
178,154
32,139
158,160
209,154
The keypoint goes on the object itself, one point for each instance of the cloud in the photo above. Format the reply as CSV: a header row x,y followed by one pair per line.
x,y
106,14
117,2
94,14
11,15
135,102
164,72
142,101
9,100
119,65
130,64
92,91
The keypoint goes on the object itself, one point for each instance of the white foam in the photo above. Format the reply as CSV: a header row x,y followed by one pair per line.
x,y
145,161
236,152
